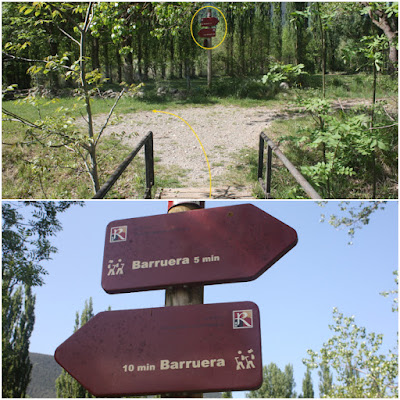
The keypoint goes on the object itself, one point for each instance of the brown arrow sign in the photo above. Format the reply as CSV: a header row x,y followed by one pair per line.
x,y
209,21
206,246
207,32
200,348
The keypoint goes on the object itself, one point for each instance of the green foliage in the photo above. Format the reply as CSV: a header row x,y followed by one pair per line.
x,y
345,143
361,370
87,47
27,229
279,72
66,385
307,386
18,318
276,383
352,217
154,38
26,240
325,380
395,293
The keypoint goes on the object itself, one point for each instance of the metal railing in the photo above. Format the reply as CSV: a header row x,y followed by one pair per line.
x,y
272,147
147,142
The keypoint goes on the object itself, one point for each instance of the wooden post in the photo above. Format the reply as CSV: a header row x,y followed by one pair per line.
x,y
182,296
209,61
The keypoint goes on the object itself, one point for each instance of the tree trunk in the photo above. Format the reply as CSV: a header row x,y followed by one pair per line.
x,y
172,58
301,26
82,63
139,56
53,44
242,47
95,53
107,63
146,61
323,52
119,65
277,18
389,28
129,63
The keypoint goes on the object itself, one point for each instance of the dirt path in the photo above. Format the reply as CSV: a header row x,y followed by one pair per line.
x,y
222,131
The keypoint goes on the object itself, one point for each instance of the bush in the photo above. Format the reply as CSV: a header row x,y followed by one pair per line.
x,y
241,88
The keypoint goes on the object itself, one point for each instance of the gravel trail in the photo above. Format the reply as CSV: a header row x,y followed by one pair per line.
x,y
222,131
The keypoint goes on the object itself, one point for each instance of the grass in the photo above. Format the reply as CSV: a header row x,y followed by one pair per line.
x,y
356,187
21,180
36,172
243,171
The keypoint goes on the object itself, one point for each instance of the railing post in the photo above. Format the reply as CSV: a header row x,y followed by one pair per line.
x,y
291,168
149,161
260,158
147,142
268,172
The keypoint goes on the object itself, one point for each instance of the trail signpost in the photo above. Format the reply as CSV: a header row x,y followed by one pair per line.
x,y
191,348
209,32
206,246
200,348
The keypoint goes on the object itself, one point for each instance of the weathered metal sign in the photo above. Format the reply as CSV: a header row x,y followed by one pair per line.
x,y
209,21
200,348
208,32
206,246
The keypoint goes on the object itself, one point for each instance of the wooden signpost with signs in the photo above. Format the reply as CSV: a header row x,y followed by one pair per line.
x,y
187,349
208,33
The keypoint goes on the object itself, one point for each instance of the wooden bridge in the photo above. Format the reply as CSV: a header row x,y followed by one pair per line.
x,y
228,192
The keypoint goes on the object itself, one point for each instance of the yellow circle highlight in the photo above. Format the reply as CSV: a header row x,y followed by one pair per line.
x,y
191,28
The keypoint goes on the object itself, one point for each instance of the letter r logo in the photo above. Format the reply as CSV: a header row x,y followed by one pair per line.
x,y
118,234
242,319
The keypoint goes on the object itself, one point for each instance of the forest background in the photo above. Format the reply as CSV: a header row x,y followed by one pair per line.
x,y
65,62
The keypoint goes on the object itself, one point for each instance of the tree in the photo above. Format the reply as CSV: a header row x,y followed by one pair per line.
x,y
26,240
321,16
276,383
60,131
385,17
353,217
361,369
25,244
325,380
307,386
18,318
66,385
277,24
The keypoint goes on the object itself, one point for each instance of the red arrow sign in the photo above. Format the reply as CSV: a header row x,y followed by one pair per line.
x,y
207,32
201,348
206,246
209,21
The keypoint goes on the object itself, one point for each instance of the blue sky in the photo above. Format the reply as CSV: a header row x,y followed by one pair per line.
x,y
296,296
